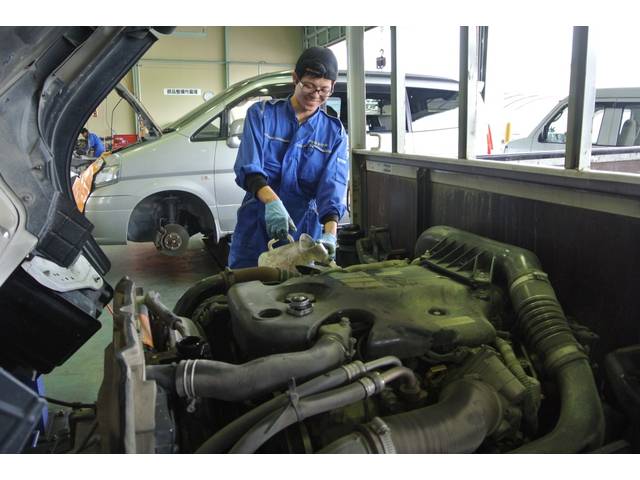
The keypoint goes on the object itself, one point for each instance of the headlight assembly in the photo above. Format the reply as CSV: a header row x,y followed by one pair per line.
x,y
107,176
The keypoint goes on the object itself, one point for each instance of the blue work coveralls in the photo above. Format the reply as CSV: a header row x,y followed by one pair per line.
x,y
306,165
93,141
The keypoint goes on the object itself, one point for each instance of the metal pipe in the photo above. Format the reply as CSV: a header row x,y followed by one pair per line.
x,y
582,100
356,115
398,94
226,56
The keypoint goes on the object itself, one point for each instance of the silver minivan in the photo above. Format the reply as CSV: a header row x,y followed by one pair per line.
x,y
181,182
616,123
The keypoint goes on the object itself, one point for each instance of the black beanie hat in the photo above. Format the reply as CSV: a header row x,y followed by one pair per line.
x,y
319,62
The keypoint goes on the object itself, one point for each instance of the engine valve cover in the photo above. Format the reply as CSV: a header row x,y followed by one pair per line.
x,y
410,310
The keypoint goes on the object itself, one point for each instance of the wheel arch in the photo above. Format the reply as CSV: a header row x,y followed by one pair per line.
x,y
191,211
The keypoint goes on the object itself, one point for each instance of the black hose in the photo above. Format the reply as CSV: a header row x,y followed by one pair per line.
x,y
224,438
235,383
468,411
543,326
299,409
220,283
580,424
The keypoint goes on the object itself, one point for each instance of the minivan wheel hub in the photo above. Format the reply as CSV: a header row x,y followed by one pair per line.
x,y
172,239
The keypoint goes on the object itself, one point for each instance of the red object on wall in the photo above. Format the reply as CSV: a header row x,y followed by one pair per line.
x,y
122,140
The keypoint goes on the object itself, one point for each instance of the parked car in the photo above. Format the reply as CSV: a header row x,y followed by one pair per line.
x,y
181,182
616,123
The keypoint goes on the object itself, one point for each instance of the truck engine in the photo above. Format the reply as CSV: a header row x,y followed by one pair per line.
x,y
463,349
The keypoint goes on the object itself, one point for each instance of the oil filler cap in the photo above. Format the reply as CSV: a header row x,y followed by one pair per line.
x,y
300,304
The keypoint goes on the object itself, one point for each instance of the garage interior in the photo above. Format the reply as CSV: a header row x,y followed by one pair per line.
x,y
579,222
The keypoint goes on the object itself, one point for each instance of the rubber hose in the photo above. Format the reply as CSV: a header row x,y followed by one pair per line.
x,y
581,423
223,439
235,383
467,412
220,284
314,405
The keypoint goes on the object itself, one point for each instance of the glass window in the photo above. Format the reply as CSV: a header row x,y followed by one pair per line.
x,y
377,109
629,131
597,124
617,85
424,102
334,106
613,125
210,132
556,130
239,109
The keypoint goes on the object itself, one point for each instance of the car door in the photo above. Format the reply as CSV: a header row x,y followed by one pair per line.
x,y
552,135
228,194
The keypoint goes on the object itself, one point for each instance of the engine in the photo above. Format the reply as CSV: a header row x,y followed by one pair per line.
x,y
463,349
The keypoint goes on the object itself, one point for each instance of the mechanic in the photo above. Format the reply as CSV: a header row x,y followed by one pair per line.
x,y
93,141
292,162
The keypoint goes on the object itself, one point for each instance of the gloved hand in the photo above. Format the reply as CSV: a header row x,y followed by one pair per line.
x,y
329,241
278,220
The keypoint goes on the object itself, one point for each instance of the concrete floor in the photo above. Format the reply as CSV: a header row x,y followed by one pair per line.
x,y
79,378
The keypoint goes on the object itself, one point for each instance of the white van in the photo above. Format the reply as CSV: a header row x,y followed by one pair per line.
x,y
616,123
181,182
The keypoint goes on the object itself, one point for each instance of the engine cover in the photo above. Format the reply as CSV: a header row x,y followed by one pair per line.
x,y
409,308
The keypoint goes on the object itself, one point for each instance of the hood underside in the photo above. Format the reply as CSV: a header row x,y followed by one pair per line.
x,y
51,79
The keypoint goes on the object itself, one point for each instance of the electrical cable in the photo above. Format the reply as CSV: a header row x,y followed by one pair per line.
x,y
74,405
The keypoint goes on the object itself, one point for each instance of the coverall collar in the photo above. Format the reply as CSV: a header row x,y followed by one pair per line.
x,y
311,121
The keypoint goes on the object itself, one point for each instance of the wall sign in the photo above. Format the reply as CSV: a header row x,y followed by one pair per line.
x,y
182,91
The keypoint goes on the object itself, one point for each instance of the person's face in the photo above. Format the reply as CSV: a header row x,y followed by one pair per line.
x,y
311,92
84,135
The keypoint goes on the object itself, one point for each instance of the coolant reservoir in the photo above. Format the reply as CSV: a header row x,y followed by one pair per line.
x,y
305,251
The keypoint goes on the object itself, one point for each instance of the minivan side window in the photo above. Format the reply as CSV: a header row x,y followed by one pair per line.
x,y
239,109
211,131
216,128
614,124
556,130
377,108
629,128
429,101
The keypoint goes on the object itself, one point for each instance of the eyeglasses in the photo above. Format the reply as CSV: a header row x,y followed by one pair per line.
x,y
310,88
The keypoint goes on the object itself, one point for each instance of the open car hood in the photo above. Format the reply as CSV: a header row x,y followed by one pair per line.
x,y
141,111
51,286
